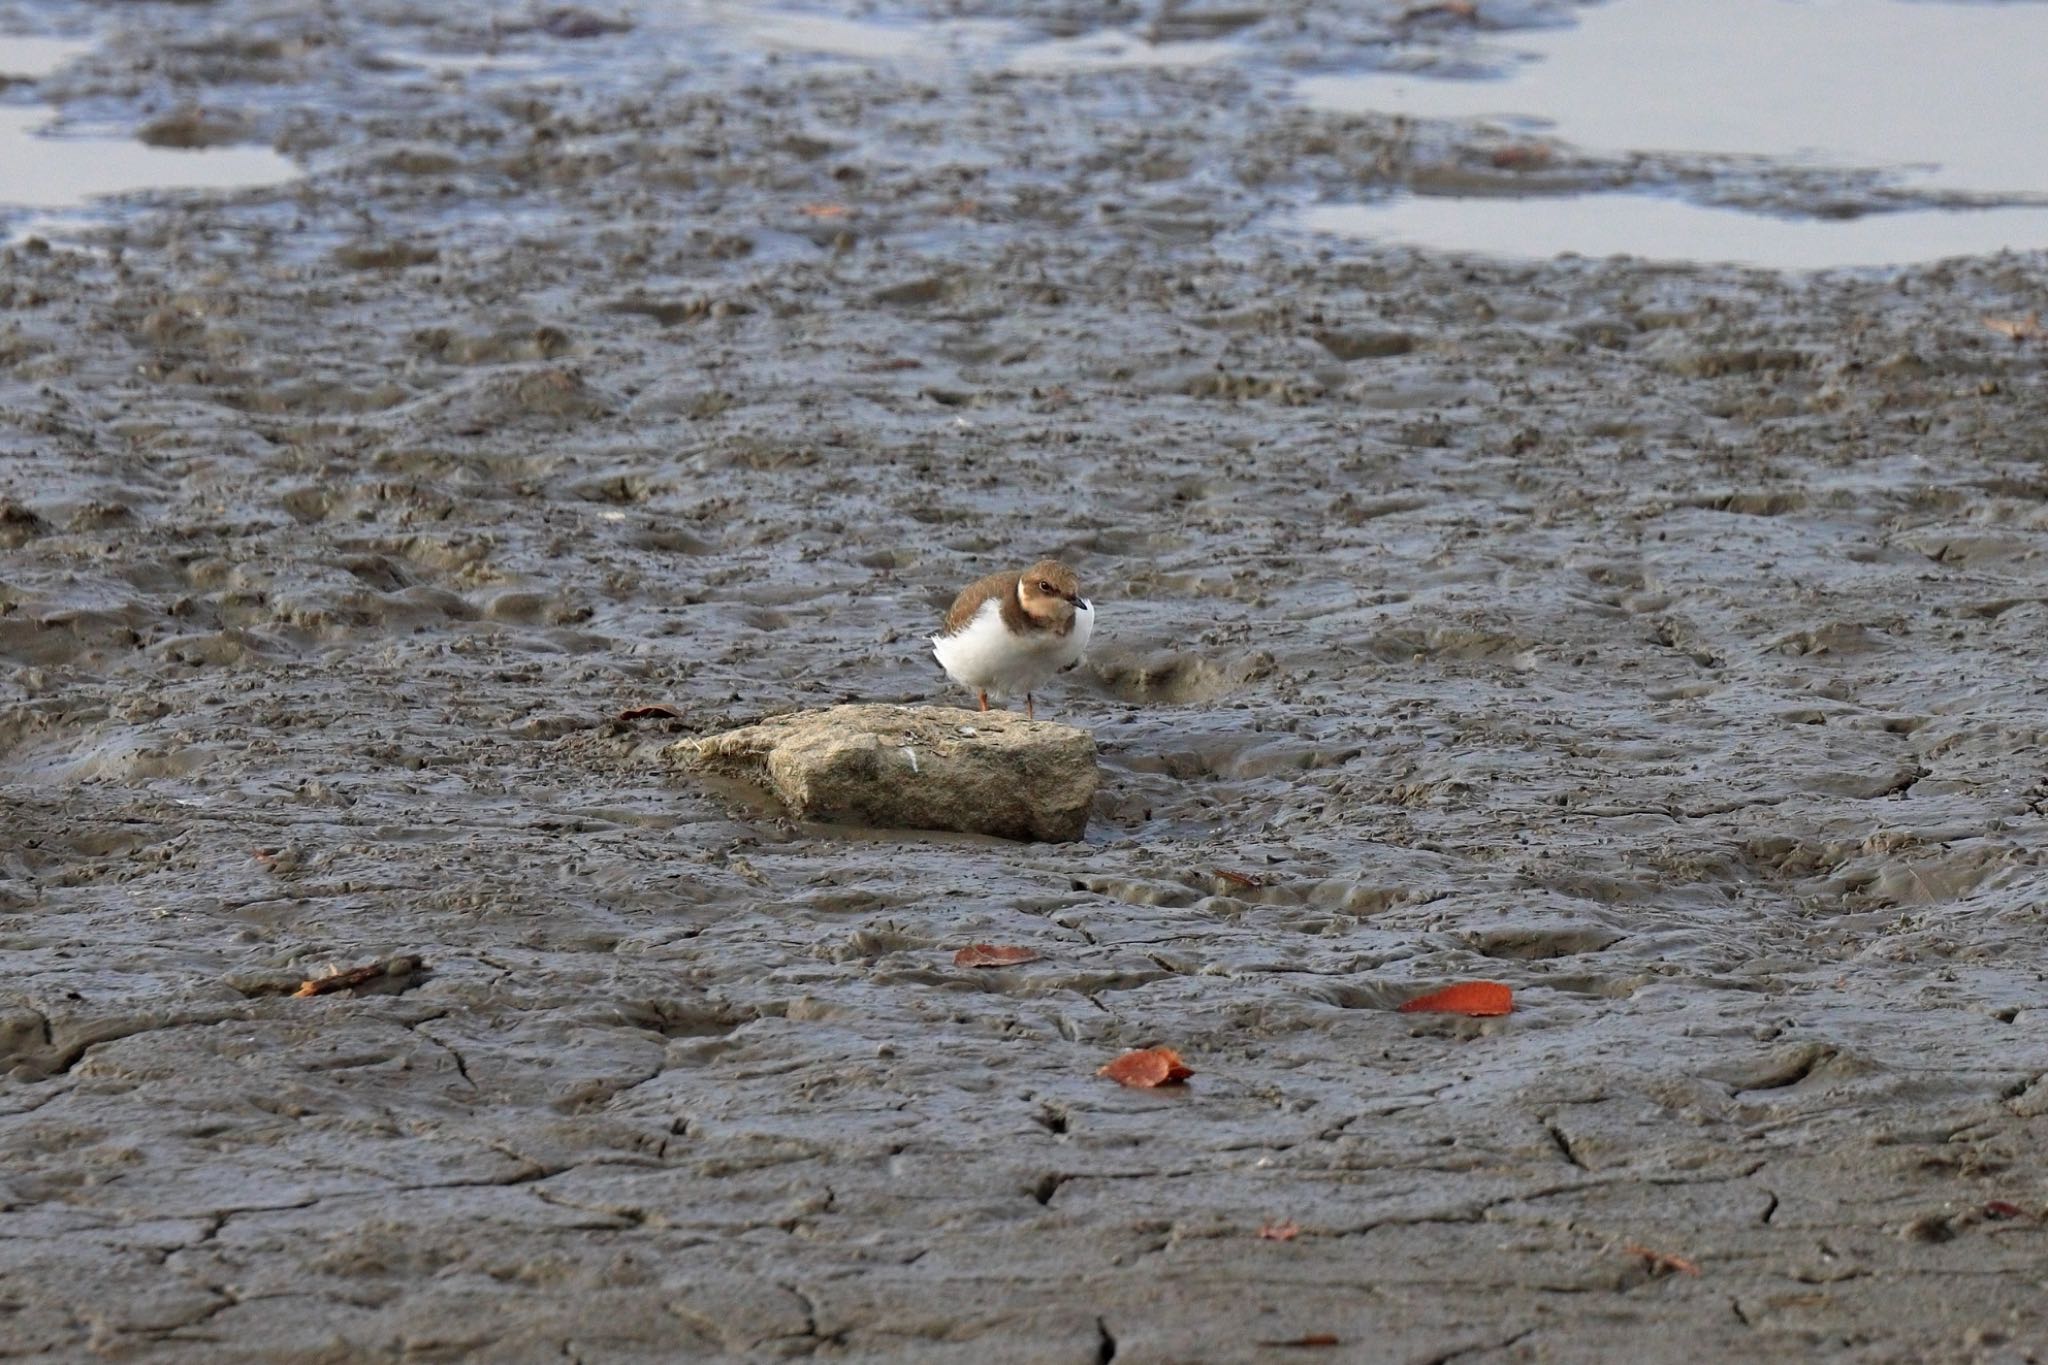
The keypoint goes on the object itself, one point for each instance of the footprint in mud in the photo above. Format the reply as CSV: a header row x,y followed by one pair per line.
x,y
1329,896
1454,642
1832,640
1175,679
19,524
1537,943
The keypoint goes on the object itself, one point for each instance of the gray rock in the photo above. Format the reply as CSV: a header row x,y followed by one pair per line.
x,y
913,767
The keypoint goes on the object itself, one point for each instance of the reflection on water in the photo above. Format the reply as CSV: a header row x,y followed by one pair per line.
x,y
1660,228
1957,92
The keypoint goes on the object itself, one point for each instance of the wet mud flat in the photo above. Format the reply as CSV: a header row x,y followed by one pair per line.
x,y
1661,641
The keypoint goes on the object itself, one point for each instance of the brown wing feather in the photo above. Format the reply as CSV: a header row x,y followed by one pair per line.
x,y
1002,586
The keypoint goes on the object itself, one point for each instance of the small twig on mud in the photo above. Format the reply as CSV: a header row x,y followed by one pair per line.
x,y
1660,1262
389,977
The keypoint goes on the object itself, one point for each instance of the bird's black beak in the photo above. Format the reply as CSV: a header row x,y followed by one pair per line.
x,y
1077,599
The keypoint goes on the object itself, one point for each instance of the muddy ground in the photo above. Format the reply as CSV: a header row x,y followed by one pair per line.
x,y
1662,641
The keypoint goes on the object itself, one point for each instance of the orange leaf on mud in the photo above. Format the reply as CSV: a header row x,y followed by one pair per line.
x,y
1148,1067
823,210
1468,997
989,955
1280,1232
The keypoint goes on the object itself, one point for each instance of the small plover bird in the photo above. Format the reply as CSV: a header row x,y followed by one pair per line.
x,y
1007,633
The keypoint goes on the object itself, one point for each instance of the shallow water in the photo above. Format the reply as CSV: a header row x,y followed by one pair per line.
x,y
1935,96
26,58
46,168
1664,228
1947,95
39,170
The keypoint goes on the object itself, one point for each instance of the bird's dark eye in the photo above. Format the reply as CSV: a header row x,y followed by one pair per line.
x,y
1045,588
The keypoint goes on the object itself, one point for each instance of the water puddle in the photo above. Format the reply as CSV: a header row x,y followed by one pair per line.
x,y
1939,96
42,170
28,59
45,171
1655,227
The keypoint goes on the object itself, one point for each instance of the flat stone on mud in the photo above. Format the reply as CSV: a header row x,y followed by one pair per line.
x,y
914,767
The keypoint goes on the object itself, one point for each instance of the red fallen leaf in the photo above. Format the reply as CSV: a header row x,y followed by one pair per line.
x,y
1478,998
1662,1262
1280,1232
2003,1208
1239,878
1310,1341
989,955
648,712
1148,1067
823,210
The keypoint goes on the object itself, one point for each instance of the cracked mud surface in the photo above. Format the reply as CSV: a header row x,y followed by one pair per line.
x,y
1663,642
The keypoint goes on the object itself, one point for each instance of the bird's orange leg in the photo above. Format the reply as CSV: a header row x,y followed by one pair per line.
x,y
984,701
1030,708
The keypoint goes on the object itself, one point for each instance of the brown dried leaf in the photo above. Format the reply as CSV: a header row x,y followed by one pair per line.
x,y
1521,156
1310,1341
650,712
823,210
1464,11
990,955
1245,879
1148,1068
